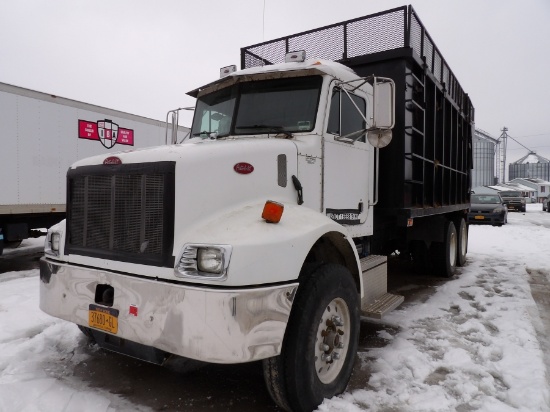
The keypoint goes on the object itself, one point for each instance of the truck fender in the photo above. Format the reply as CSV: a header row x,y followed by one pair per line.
x,y
264,253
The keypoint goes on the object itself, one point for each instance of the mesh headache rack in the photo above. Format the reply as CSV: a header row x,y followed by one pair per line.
x,y
376,33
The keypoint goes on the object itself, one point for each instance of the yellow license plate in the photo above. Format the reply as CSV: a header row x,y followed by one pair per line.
x,y
479,217
102,318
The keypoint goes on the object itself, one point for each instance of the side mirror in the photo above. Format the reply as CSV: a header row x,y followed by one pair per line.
x,y
383,117
384,103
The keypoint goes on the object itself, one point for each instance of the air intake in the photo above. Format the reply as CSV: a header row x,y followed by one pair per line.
x,y
122,212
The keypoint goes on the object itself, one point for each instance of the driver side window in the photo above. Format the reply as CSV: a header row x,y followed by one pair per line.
x,y
348,119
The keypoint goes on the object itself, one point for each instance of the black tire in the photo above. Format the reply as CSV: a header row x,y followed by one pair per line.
x,y
462,242
324,323
275,381
444,253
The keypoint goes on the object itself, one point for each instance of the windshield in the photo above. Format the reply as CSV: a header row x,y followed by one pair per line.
x,y
213,113
510,194
259,107
489,199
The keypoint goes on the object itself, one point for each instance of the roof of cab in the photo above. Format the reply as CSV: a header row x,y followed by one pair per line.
x,y
312,66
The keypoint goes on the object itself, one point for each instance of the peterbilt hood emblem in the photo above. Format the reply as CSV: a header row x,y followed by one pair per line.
x,y
243,168
112,160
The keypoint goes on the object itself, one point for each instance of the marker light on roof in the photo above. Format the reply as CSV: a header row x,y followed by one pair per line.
x,y
297,56
226,71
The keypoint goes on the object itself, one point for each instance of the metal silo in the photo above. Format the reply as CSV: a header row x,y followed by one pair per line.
x,y
530,166
483,173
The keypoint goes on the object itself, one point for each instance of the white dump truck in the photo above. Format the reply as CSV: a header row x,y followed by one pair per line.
x,y
42,135
265,235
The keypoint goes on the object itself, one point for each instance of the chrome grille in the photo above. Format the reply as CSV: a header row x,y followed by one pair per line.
x,y
122,212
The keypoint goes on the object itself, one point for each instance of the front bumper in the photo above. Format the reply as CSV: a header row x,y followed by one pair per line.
x,y
210,325
517,206
486,218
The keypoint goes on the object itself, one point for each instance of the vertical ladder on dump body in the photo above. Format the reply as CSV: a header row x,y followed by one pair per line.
x,y
416,146
376,300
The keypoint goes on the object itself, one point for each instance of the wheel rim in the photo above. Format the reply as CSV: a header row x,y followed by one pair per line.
x,y
452,251
333,335
463,240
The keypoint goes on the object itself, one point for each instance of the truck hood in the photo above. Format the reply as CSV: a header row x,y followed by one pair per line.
x,y
217,177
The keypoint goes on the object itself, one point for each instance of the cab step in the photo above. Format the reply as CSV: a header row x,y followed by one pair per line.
x,y
382,305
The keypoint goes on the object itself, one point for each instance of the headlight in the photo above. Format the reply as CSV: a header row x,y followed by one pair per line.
x,y
498,210
210,260
204,261
56,238
53,243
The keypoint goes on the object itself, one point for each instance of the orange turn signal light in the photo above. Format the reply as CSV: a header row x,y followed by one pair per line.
x,y
272,211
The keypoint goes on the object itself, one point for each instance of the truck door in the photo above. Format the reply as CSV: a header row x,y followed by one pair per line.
x,y
347,169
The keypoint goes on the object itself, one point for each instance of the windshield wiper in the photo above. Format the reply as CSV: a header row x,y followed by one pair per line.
x,y
203,133
279,129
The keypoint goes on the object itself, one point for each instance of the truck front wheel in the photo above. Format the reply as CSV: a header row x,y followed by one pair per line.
x,y
320,342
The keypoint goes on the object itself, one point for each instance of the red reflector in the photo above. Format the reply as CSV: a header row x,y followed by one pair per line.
x,y
272,211
112,160
133,310
243,168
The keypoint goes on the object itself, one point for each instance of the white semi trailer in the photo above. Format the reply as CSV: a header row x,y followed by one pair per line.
x,y
41,135
265,235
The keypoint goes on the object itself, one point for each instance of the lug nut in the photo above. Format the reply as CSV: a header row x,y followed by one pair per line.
x,y
337,320
335,355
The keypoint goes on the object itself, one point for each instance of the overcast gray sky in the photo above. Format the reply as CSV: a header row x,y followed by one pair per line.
x,y
141,56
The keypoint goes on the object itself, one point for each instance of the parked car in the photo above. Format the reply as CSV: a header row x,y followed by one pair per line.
x,y
489,208
513,200
546,204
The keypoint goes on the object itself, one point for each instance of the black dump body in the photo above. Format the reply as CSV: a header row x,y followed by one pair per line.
x,y
425,170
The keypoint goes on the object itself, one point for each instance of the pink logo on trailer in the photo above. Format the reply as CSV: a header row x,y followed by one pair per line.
x,y
106,131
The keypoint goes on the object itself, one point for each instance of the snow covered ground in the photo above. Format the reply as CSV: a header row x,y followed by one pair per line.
x,y
471,346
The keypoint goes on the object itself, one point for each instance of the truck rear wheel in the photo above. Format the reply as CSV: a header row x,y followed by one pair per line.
x,y
462,242
320,342
444,254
